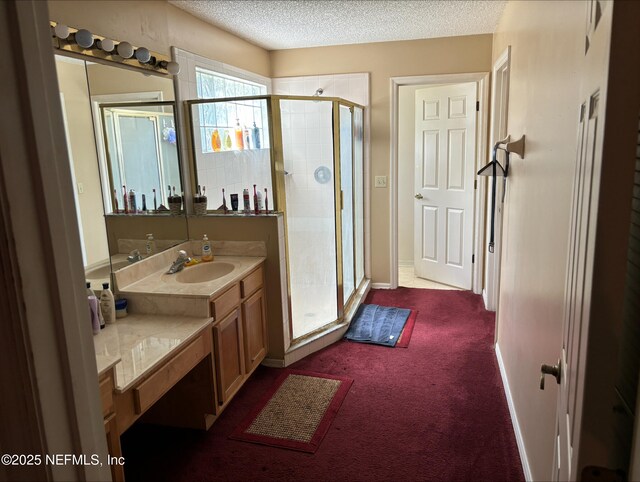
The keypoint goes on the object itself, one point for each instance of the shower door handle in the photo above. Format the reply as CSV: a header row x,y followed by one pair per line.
x,y
418,196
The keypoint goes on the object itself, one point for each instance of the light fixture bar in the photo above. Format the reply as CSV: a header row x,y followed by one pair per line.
x,y
83,42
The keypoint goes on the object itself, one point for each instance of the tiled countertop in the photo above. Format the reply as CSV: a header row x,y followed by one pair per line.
x,y
139,343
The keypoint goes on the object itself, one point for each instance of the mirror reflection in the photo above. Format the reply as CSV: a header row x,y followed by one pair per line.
x,y
121,131
142,154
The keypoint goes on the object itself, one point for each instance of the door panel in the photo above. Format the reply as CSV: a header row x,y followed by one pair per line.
x,y
456,161
430,233
445,163
430,159
455,224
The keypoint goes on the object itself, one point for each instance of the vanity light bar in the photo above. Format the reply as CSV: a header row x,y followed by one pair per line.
x,y
83,42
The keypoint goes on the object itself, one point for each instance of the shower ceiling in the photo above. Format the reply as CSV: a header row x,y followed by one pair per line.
x,y
287,24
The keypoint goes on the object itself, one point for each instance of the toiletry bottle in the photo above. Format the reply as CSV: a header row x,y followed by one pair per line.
x,y
245,199
155,201
238,132
266,201
98,314
100,317
151,245
207,255
256,208
115,201
216,144
144,204
228,145
93,313
247,138
260,206
224,202
107,304
124,199
256,136
132,201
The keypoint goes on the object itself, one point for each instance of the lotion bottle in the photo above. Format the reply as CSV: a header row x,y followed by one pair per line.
x,y
151,245
207,254
107,304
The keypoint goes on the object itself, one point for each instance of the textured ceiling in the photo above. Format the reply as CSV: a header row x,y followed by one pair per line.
x,y
286,24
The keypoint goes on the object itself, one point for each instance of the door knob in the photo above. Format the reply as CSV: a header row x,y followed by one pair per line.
x,y
554,370
418,196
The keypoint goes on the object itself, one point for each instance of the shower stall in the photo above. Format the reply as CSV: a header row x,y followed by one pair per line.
x,y
306,155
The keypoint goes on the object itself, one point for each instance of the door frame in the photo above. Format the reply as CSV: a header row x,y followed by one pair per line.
x,y
481,79
491,289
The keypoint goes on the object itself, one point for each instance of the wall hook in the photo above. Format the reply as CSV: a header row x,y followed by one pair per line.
x,y
516,147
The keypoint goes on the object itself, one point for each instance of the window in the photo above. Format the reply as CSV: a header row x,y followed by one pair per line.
x,y
225,117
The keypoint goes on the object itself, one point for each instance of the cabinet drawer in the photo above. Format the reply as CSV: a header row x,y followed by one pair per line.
x,y
251,282
225,303
106,394
149,391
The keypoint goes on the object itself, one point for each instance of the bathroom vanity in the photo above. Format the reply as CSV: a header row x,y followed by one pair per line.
x,y
192,341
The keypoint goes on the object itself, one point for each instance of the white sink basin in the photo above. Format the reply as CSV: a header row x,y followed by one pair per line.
x,y
203,272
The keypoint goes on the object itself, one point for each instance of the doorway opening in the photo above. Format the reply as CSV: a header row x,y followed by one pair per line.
x,y
499,115
438,142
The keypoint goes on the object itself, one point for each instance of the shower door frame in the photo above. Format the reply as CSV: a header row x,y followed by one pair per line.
x,y
276,156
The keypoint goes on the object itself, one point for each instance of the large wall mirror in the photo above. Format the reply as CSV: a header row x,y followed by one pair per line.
x,y
122,139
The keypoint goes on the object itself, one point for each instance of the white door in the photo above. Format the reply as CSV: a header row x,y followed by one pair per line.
x,y
445,137
577,300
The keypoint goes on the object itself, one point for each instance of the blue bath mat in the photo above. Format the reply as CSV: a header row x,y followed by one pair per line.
x,y
380,325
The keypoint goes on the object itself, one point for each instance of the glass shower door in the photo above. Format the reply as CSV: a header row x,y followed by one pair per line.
x,y
307,143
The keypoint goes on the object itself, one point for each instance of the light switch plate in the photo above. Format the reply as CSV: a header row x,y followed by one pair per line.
x,y
381,181
80,188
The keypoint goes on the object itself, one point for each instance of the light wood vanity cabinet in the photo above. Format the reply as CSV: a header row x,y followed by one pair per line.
x,y
239,333
228,337
255,330
105,383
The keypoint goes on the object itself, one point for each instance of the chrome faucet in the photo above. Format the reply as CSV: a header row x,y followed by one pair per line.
x,y
134,256
179,263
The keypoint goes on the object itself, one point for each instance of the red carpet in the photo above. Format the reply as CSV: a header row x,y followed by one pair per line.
x,y
433,411
407,331
303,399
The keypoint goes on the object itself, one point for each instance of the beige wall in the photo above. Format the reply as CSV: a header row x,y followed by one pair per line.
x,y
547,42
383,61
159,25
72,82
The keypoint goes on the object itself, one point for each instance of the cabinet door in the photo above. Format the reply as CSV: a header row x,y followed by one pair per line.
x,y
113,447
229,355
255,330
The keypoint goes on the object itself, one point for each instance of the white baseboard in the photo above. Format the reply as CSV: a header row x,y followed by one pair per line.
x,y
514,418
408,263
484,298
381,286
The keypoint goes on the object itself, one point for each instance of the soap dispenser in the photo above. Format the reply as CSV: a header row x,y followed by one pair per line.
x,y
207,254
151,245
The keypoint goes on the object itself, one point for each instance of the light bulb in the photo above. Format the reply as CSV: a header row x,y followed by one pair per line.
x,y
173,68
107,45
61,31
143,55
125,50
84,38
